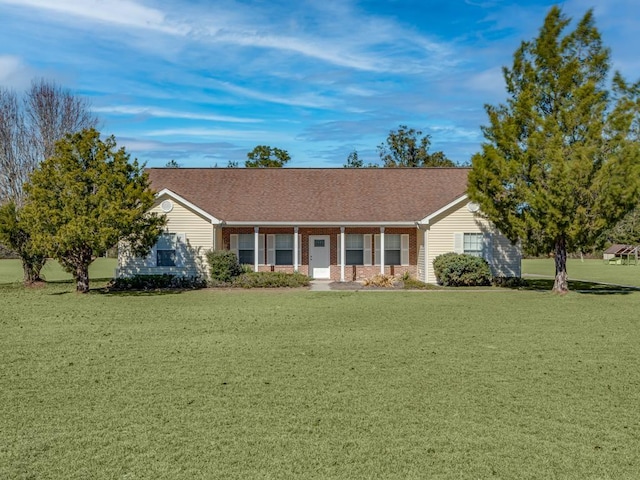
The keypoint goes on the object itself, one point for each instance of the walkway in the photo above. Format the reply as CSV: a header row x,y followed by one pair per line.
x,y
321,285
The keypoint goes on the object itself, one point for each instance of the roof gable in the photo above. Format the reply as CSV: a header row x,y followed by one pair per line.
x,y
314,195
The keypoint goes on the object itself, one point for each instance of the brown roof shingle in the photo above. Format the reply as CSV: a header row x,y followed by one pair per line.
x,y
314,194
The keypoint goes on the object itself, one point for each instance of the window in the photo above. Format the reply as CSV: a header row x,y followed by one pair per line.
x,y
392,250
284,249
354,249
472,244
166,250
246,242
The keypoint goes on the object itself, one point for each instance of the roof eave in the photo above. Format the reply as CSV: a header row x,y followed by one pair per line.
x,y
426,220
187,203
258,223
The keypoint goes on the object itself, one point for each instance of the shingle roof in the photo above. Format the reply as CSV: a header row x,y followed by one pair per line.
x,y
314,194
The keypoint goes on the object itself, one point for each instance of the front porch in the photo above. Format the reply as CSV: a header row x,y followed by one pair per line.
x,y
338,253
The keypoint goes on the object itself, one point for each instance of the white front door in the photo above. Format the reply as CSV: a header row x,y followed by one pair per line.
x,y
319,258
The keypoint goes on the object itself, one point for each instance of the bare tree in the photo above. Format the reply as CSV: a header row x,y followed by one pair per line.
x,y
14,164
29,130
52,112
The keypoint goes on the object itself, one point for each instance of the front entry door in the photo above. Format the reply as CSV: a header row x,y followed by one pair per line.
x,y
319,258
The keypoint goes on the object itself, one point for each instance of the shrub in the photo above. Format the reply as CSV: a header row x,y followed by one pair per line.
x,y
461,270
156,282
410,283
509,282
271,280
223,266
380,280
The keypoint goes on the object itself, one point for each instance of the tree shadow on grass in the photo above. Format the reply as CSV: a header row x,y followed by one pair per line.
x,y
579,286
103,289
138,293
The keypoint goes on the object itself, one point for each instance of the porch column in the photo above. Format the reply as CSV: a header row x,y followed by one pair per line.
x,y
256,248
425,243
382,250
296,260
342,254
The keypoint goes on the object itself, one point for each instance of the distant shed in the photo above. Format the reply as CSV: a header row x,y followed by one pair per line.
x,y
621,254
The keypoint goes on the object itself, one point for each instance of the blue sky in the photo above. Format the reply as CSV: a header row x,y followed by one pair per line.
x,y
203,82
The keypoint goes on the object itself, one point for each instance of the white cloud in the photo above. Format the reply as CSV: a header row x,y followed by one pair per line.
x,y
309,100
13,72
339,34
489,81
163,113
118,12
206,132
321,50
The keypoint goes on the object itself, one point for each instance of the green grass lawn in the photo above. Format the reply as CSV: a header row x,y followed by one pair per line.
x,y
100,269
590,270
296,384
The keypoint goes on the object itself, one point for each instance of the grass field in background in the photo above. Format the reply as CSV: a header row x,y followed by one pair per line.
x,y
100,269
589,270
297,384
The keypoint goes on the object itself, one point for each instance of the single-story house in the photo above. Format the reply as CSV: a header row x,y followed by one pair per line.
x,y
329,223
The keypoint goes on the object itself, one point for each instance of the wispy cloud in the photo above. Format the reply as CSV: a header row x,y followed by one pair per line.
x,y
13,72
228,134
124,13
163,113
315,77
311,100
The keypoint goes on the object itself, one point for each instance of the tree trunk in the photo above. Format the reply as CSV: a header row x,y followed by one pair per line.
x,y
82,278
31,266
561,284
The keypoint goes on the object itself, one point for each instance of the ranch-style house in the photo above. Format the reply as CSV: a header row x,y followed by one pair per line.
x,y
329,223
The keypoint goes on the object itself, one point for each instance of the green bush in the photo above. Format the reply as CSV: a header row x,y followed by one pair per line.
x,y
509,282
156,282
223,266
410,283
271,280
461,270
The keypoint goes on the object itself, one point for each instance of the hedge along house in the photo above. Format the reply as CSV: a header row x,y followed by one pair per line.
x,y
340,224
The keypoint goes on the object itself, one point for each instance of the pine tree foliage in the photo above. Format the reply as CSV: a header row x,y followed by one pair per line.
x,y
85,198
561,162
14,234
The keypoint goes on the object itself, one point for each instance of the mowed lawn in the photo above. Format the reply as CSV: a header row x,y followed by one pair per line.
x,y
101,269
589,270
297,384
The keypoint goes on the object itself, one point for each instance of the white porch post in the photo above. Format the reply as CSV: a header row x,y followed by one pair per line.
x,y
425,243
256,248
382,250
342,254
296,260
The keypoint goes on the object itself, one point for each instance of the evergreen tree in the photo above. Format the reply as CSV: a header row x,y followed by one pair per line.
x,y
85,198
560,164
29,127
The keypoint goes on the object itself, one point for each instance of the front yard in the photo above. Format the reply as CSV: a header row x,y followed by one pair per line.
x,y
279,384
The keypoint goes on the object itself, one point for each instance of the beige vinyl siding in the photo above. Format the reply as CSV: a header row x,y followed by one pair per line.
x,y
198,232
503,257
